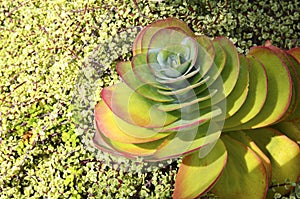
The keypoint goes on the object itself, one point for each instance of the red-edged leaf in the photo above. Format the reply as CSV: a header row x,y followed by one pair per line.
x,y
225,83
258,88
135,109
132,150
244,175
283,153
205,58
231,70
294,68
215,70
192,103
100,141
290,129
197,175
280,93
143,73
118,130
239,94
125,71
142,41
188,140
295,52
245,139
191,120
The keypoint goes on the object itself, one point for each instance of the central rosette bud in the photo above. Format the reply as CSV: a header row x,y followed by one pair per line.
x,y
172,61
172,55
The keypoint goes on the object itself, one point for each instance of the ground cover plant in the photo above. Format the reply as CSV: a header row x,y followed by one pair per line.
x,y
44,46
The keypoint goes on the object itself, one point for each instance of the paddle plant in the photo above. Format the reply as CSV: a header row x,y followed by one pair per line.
x,y
233,117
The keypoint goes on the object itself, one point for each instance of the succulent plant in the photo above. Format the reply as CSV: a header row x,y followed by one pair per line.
x,y
188,95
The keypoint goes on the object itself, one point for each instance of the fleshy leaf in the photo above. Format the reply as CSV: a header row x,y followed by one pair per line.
x,y
126,73
206,54
215,70
131,150
245,139
257,94
118,130
143,73
133,108
290,129
185,89
229,75
293,68
279,97
240,92
295,114
295,52
158,43
205,58
244,175
188,140
283,153
100,141
197,119
231,70
180,105
142,41
197,175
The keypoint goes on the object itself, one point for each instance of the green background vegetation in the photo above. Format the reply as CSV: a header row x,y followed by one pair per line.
x,y
45,45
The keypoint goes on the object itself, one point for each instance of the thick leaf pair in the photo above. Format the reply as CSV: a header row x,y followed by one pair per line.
x,y
180,91
273,89
242,165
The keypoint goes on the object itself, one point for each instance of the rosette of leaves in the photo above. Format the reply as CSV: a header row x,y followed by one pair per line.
x,y
191,96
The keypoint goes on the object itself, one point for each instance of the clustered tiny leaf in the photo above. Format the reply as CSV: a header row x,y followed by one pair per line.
x,y
230,116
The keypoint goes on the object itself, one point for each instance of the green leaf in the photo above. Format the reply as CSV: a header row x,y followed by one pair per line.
x,y
126,73
193,119
244,175
176,57
279,97
197,175
186,89
133,108
118,130
283,153
159,40
294,68
225,83
256,95
290,129
188,140
215,70
101,142
172,73
143,73
187,103
245,139
205,57
141,43
239,94
295,52
125,149
231,69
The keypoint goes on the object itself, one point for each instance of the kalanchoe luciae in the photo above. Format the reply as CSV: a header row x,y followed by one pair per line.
x,y
188,95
